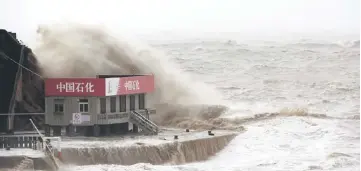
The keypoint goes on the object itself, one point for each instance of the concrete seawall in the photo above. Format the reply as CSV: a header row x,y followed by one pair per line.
x,y
183,150
161,149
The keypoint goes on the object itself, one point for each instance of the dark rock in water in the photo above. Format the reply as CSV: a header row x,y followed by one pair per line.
x,y
313,167
140,143
21,86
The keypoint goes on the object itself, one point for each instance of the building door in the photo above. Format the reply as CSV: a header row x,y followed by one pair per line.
x,y
132,102
141,101
123,103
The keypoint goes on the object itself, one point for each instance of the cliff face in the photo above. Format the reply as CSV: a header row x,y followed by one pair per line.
x,y
21,87
31,94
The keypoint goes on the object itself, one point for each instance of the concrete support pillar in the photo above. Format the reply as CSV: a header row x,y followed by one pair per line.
x,y
56,130
70,130
135,128
106,130
96,131
47,130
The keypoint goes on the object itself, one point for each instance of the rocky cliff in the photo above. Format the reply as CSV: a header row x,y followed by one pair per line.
x,y
21,86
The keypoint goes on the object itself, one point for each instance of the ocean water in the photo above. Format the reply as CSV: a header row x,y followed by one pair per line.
x,y
313,86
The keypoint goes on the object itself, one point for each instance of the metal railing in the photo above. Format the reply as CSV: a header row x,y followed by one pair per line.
x,y
33,140
21,141
145,124
48,148
106,116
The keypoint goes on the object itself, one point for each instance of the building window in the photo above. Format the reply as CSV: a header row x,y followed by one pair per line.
x,y
113,103
123,103
58,105
132,102
103,105
141,101
83,106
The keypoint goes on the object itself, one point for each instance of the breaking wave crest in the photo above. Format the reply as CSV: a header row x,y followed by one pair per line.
x,y
216,121
344,44
84,51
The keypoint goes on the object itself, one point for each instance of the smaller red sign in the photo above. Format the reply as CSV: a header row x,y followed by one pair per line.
x,y
75,87
136,84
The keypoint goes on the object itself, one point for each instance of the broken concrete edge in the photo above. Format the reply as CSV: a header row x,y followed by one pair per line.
x,y
38,163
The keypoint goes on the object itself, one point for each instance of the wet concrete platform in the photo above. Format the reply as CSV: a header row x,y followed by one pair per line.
x,y
20,158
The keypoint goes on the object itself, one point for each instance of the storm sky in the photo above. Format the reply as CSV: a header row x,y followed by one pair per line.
x,y
243,16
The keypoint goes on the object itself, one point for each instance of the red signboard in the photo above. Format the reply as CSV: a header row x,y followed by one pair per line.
x,y
99,86
137,84
75,87
129,85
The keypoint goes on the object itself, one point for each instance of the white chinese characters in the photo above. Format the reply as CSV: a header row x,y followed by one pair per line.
x,y
131,85
72,87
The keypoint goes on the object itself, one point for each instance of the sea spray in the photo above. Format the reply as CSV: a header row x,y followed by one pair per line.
x,y
74,50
